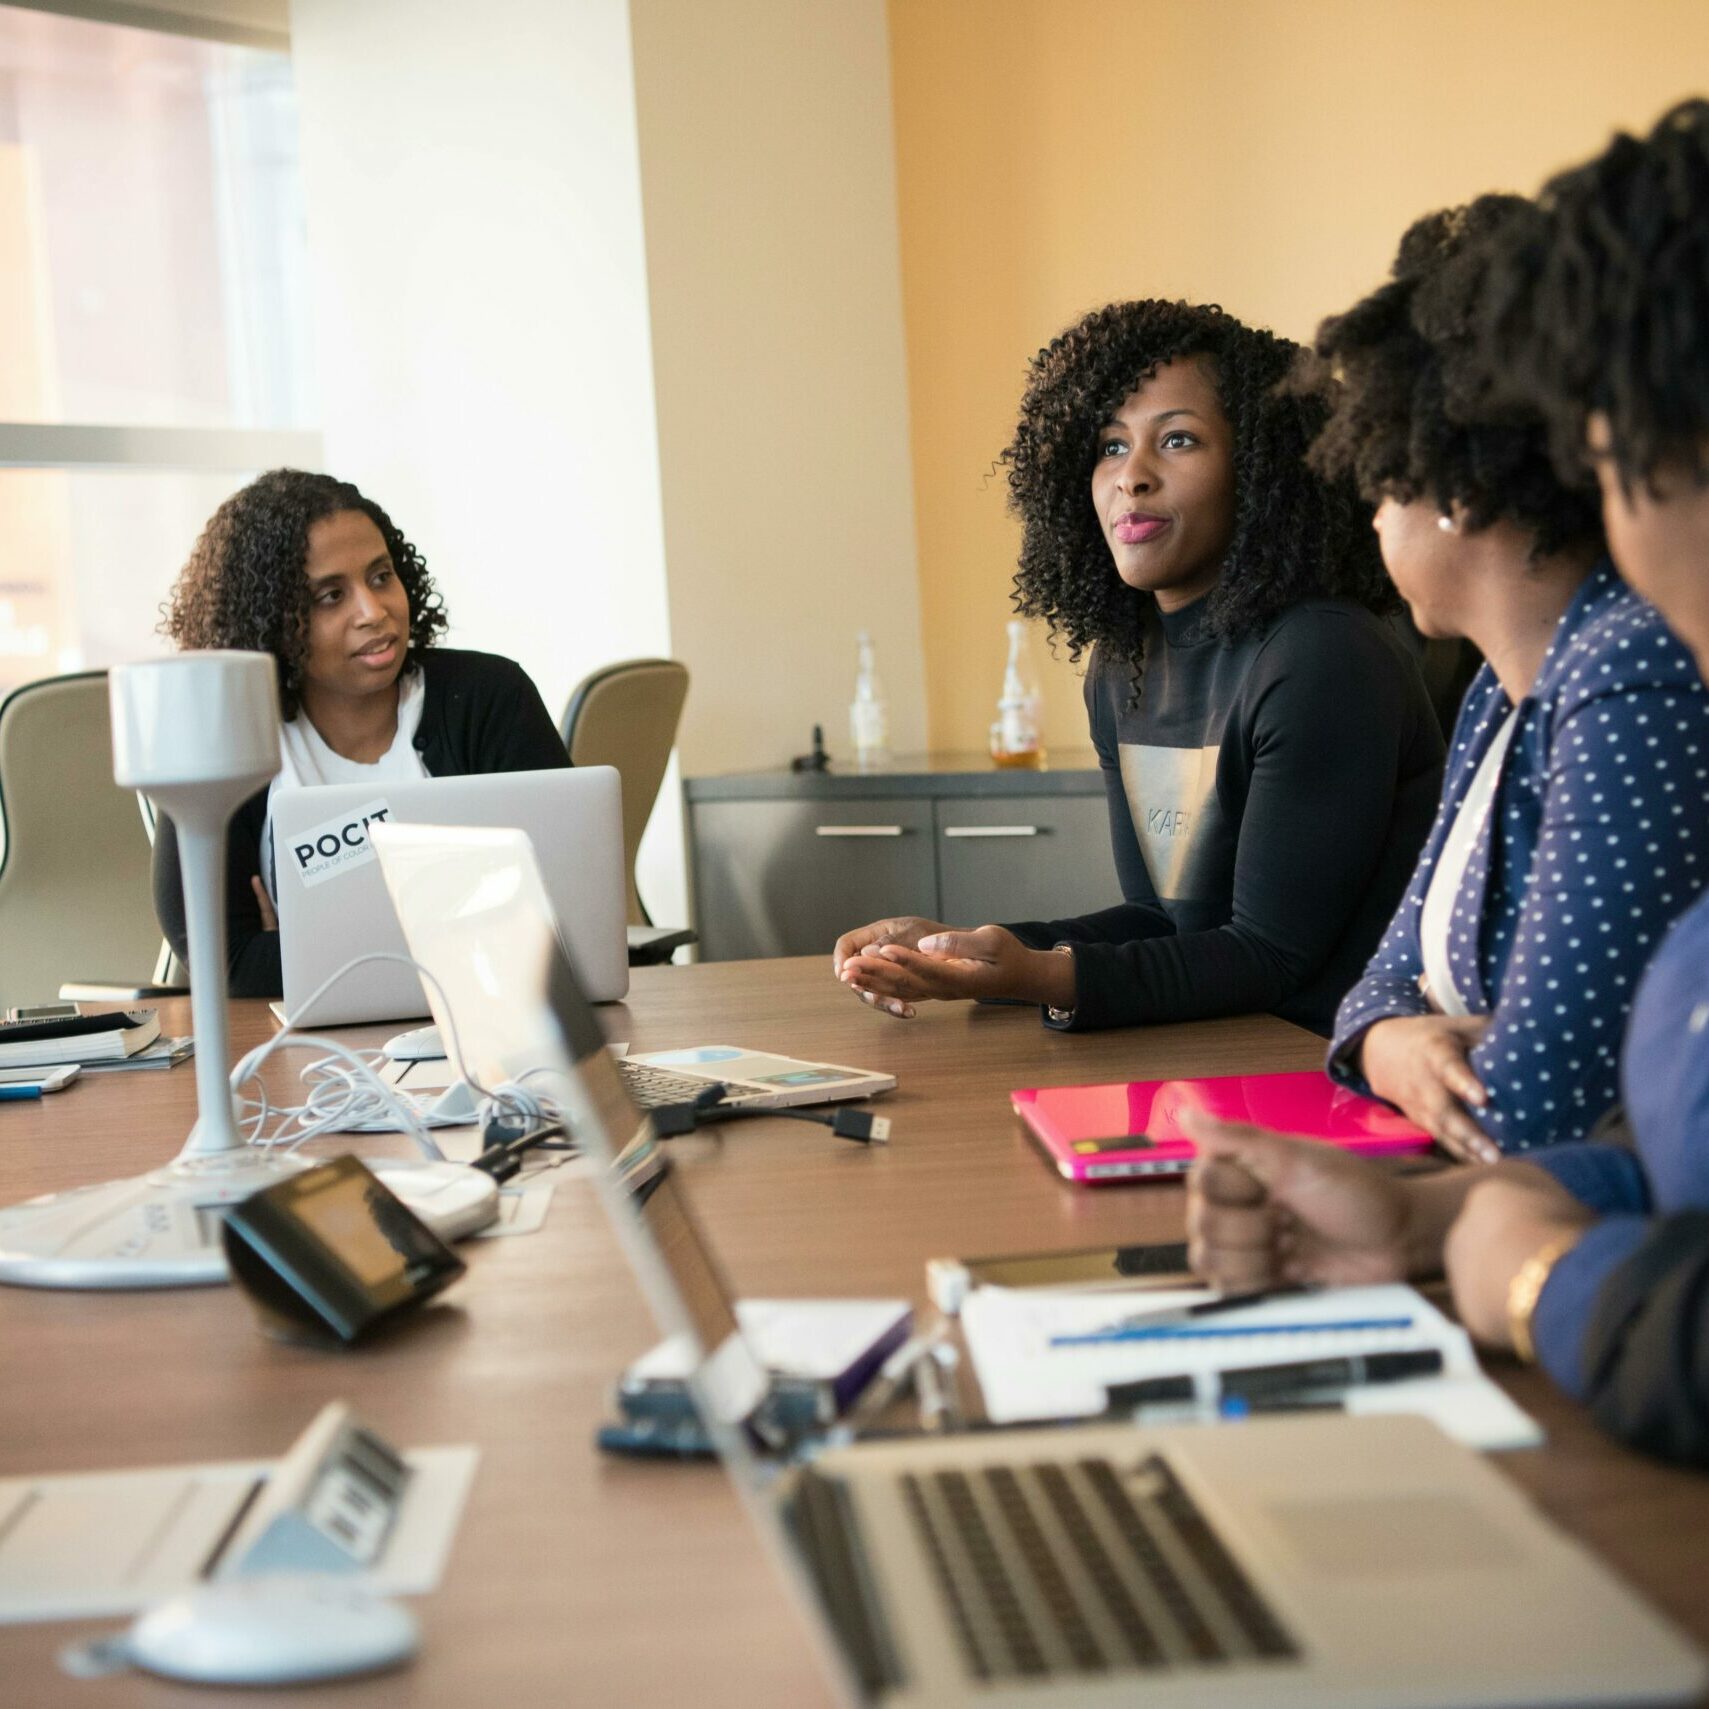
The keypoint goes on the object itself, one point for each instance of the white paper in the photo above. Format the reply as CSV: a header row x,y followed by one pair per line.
x,y
86,1546
1022,1376
522,1207
812,1340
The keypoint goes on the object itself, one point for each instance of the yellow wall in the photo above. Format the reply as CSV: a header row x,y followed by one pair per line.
x,y
768,177
1053,155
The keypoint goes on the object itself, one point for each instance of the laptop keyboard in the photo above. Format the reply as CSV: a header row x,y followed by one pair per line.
x,y
651,1087
1073,1567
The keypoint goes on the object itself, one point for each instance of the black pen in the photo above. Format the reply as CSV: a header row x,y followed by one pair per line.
x,y
1212,1307
1259,1383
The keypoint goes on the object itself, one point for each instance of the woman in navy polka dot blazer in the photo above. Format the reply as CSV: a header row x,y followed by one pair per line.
x,y
1594,1259
1571,828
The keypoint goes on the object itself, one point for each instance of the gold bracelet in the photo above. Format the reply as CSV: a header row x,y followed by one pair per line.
x,y
1526,1289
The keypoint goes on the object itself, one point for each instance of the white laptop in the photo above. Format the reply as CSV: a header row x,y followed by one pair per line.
x,y
333,904
1288,1562
474,908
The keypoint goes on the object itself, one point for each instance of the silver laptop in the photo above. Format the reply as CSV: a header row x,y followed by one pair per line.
x,y
1295,1561
333,904
474,908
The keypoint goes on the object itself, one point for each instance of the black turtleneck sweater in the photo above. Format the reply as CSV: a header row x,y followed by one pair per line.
x,y
1268,798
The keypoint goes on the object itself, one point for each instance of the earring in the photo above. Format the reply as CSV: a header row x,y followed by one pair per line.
x,y
1448,525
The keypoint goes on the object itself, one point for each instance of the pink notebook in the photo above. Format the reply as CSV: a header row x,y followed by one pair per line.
x,y
1094,1134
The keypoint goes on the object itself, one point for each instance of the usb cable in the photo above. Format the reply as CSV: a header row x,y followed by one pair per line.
x,y
672,1120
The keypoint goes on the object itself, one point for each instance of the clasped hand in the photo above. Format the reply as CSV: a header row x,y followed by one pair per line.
x,y
894,964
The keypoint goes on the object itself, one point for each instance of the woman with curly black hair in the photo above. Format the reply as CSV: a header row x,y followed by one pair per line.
x,y
1591,1259
1491,1013
1269,753
302,566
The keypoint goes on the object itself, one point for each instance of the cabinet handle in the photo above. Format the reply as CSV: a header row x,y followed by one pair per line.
x,y
991,830
857,830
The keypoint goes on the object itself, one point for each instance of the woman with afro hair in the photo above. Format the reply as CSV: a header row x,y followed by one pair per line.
x,y
304,567
1269,752
1592,1259
1492,1011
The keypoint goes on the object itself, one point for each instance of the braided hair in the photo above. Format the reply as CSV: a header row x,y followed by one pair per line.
x,y
1296,535
1412,414
245,585
1603,308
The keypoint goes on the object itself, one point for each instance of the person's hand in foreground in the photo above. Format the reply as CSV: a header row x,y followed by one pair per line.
x,y
894,964
1264,1210
1506,1219
1421,1064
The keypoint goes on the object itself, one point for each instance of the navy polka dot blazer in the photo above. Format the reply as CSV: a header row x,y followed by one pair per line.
x,y
1598,837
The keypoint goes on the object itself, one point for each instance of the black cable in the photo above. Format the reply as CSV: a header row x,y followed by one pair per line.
x,y
672,1120
502,1157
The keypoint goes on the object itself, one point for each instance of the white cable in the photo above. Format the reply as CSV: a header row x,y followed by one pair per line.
x,y
345,1092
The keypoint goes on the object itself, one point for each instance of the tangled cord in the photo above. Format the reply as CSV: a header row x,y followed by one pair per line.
x,y
345,1091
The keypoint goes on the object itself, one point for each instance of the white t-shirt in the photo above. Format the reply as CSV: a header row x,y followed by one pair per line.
x,y
1436,918
305,760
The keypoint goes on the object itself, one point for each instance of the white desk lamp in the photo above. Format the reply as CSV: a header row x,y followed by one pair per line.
x,y
198,734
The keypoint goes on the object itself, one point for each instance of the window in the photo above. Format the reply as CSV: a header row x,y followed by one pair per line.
x,y
154,329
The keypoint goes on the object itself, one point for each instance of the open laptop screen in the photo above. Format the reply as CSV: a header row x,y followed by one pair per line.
x,y
476,915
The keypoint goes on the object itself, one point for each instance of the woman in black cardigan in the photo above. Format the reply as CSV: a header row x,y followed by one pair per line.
x,y
302,566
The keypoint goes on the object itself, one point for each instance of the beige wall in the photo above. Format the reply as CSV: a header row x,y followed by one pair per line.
x,y
769,185
1265,154
475,241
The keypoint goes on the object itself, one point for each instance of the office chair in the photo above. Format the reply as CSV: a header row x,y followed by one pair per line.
x,y
626,715
75,894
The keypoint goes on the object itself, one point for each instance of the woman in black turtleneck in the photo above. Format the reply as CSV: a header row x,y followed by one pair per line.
x,y
1269,750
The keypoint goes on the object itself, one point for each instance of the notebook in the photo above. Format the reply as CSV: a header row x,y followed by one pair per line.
x,y
83,1039
1028,1368
1132,1129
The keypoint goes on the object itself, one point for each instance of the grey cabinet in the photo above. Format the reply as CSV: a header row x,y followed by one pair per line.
x,y
771,877
784,864
1024,857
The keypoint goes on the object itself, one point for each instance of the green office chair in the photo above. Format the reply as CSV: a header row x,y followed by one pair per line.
x,y
626,715
75,892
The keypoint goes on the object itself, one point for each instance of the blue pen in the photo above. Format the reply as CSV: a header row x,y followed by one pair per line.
x,y
1221,1332
7,1093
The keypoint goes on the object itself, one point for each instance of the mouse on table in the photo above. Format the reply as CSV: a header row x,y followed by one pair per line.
x,y
277,1630
421,1044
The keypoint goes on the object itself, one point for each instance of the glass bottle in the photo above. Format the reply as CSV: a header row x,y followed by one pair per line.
x,y
1017,736
869,721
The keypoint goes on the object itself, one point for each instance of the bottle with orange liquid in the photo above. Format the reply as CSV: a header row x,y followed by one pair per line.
x,y
1016,738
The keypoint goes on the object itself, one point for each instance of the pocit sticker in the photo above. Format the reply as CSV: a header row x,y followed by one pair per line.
x,y
336,847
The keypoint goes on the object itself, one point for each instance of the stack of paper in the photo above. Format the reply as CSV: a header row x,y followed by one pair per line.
x,y
1014,1336
838,1343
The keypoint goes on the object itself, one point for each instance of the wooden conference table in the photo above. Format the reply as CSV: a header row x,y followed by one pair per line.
x,y
578,1579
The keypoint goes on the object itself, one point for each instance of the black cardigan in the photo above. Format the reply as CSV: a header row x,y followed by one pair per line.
x,y
480,713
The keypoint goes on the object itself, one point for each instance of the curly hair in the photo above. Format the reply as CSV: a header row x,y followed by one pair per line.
x,y
1295,535
1603,307
1412,414
244,585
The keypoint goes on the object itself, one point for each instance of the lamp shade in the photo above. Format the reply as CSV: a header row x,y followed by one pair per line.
x,y
203,722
